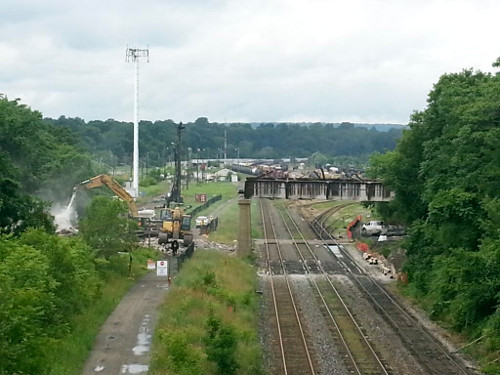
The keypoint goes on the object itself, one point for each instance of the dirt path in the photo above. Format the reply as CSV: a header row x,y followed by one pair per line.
x,y
123,344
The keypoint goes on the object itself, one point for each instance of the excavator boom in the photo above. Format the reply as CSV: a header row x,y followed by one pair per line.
x,y
115,187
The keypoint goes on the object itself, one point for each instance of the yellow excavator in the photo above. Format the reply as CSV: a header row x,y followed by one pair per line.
x,y
144,217
175,226
115,187
172,225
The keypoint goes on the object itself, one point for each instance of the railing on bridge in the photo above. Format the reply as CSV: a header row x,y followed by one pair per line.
x,y
339,189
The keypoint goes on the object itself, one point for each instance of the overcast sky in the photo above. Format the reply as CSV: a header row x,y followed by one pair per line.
x,y
256,60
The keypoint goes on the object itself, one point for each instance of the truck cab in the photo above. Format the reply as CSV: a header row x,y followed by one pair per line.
x,y
373,228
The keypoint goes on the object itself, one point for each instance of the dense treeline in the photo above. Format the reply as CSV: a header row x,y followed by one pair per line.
x,y
446,174
35,158
47,280
113,140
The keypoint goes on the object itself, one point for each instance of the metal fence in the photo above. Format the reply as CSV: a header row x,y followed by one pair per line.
x,y
175,262
194,212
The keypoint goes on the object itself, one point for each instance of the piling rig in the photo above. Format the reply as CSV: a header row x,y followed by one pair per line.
x,y
176,226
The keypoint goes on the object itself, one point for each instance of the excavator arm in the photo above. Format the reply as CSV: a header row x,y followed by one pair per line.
x,y
115,187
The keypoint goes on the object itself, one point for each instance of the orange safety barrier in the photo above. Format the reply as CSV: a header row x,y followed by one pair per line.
x,y
363,247
352,224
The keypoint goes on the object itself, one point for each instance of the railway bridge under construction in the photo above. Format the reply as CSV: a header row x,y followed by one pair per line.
x,y
338,189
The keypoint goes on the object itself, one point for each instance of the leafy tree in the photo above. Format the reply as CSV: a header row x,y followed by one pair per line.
x,y
107,228
71,264
44,281
445,172
317,159
19,211
201,121
39,152
182,358
27,308
112,140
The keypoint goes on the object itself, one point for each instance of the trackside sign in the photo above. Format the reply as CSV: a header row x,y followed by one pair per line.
x,y
151,264
162,268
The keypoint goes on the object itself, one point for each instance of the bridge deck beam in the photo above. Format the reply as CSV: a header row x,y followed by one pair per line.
x,y
362,191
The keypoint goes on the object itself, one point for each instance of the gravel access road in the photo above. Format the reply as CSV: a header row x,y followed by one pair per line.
x,y
123,344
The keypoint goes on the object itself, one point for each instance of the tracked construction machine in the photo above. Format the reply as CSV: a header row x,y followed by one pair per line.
x,y
144,218
176,226
115,187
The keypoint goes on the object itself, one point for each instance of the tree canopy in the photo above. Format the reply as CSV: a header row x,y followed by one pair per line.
x,y
112,140
37,161
445,171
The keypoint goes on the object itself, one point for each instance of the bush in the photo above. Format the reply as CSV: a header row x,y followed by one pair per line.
x,y
44,281
148,181
210,313
221,344
106,227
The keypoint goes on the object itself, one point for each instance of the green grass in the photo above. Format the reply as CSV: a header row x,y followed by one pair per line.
x,y
153,190
227,230
256,220
210,281
226,189
339,220
67,356
229,217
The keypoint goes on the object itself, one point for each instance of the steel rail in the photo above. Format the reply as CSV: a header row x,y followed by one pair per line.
x,y
282,348
327,213
330,283
412,320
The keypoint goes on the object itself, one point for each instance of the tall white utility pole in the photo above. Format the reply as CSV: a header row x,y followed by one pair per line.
x,y
134,54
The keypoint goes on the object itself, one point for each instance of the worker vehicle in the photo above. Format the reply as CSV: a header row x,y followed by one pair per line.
x,y
373,228
176,227
143,217
201,221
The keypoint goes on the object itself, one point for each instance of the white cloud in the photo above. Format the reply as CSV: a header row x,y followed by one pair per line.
x,y
250,60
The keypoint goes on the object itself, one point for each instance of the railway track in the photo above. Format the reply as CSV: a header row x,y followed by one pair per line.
x,y
362,357
273,259
323,217
294,352
432,356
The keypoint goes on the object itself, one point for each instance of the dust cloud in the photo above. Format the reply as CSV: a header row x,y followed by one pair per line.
x,y
64,216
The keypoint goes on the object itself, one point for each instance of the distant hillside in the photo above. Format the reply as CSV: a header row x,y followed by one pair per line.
x,y
111,140
379,127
